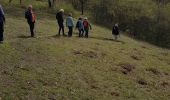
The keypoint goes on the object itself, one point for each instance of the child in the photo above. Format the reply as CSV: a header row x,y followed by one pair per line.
x,y
70,25
87,26
80,27
115,31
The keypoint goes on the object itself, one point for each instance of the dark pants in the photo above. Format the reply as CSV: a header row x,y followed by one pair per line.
x,y
1,31
61,27
81,32
70,32
86,33
31,25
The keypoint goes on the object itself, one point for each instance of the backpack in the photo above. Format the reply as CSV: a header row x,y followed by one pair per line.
x,y
26,14
57,16
78,24
86,24
33,17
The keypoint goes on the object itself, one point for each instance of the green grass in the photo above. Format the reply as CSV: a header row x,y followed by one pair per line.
x,y
97,68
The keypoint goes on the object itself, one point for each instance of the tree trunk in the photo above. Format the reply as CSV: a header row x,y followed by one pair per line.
x,y
49,4
20,1
10,1
82,7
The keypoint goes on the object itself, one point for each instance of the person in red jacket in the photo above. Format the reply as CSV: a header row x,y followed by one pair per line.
x,y
87,26
30,16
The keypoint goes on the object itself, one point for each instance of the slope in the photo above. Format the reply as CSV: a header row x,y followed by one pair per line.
x,y
98,68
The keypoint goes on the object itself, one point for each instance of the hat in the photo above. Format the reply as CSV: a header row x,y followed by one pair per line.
x,y
80,18
30,6
1,10
85,18
70,14
61,10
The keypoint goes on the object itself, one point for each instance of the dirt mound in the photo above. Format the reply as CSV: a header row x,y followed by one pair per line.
x,y
94,86
164,84
153,70
113,93
76,52
89,54
135,57
165,73
142,82
126,68
144,47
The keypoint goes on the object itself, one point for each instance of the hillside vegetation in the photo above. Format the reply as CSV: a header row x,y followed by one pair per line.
x,y
146,20
61,68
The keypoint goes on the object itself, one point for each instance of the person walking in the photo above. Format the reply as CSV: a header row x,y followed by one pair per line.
x,y
87,26
30,16
70,24
115,31
80,27
2,21
60,20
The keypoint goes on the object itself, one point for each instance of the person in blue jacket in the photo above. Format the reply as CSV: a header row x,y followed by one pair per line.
x,y
70,24
2,21
80,27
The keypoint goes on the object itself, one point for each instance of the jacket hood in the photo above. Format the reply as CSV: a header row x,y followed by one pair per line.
x,y
1,10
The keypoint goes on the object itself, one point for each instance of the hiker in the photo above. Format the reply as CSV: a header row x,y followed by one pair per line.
x,y
87,26
80,27
60,20
70,24
2,21
30,16
115,31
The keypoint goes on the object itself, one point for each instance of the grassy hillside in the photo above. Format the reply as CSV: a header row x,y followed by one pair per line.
x,y
49,67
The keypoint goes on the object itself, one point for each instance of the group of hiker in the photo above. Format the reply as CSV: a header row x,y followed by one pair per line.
x,y
83,26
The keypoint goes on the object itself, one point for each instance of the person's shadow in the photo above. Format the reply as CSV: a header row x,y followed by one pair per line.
x,y
58,36
24,37
108,39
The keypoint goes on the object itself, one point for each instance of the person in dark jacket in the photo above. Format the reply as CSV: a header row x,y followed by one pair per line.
x,y
115,31
60,20
87,26
2,20
80,27
30,16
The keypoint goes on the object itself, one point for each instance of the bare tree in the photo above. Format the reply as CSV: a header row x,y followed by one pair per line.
x,y
51,3
20,1
82,2
10,1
